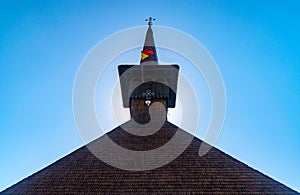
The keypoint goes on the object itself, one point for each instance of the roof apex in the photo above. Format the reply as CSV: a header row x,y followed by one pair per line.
x,y
149,55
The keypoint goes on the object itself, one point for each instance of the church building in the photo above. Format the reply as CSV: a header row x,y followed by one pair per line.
x,y
144,87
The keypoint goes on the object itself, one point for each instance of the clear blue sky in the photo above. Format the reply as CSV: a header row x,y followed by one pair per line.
x,y
255,44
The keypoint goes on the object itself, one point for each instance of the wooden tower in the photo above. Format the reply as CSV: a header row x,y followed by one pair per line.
x,y
144,84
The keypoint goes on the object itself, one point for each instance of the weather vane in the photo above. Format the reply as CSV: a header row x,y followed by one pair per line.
x,y
149,20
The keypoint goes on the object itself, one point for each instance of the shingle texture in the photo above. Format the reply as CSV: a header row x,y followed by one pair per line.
x,y
83,173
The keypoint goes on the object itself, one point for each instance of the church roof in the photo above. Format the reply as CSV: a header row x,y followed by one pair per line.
x,y
215,172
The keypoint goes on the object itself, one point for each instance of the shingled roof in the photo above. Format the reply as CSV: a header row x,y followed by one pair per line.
x,y
215,172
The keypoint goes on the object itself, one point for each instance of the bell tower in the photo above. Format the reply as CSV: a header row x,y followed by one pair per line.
x,y
148,83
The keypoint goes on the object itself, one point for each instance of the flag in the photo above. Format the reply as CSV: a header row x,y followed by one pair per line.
x,y
146,53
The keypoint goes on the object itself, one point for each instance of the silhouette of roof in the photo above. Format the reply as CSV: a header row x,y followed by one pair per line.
x,y
215,172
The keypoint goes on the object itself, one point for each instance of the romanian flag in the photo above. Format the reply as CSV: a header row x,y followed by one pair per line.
x,y
146,53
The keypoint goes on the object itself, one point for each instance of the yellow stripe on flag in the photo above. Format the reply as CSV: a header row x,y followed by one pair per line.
x,y
144,56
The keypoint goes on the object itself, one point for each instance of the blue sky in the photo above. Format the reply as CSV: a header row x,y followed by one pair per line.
x,y
254,43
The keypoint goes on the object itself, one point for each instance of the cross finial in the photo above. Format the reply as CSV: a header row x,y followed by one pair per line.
x,y
149,20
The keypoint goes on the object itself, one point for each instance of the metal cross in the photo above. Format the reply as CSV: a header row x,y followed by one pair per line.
x,y
150,19
148,94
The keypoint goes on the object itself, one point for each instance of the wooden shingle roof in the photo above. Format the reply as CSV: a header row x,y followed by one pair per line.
x,y
215,172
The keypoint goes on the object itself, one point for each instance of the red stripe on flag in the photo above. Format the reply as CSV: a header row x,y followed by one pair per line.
x,y
148,52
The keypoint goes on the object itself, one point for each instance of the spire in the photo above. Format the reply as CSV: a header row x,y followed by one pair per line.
x,y
149,56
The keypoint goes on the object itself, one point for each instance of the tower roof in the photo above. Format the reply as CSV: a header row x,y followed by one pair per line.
x,y
148,54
